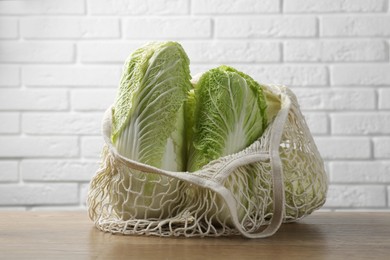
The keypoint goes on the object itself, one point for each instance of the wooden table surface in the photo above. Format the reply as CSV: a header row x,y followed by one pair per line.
x,y
71,235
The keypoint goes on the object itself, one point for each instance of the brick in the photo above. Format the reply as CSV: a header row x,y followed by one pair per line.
x,y
317,122
382,147
75,28
71,76
22,99
356,196
295,75
38,194
107,51
61,123
138,7
335,50
290,75
9,171
84,188
232,51
91,147
360,172
370,74
9,123
32,147
384,98
57,170
336,99
331,6
344,147
8,28
265,27
36,52
234,6
40,7
198,69
355,25
198,51
9,76
102,99
361,123
167,27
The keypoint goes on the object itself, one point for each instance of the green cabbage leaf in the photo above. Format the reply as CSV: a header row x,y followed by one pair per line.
x,y
148,123
230,114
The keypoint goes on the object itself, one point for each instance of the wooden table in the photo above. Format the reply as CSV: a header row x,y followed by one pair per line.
x,y
71,235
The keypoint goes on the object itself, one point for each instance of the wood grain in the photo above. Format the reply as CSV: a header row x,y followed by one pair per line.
x,y
71,235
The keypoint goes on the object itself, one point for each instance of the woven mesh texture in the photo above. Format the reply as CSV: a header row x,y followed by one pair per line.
x,y
230,196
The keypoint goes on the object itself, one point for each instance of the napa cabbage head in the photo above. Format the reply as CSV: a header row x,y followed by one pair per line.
x,y
231,111
305,182
148,126
230,114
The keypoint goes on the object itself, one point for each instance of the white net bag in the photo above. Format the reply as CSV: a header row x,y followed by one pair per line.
x,y
279,178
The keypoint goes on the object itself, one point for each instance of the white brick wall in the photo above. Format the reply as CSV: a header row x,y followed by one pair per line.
x,y
138,7
61,60
333,6
69,28
234,6
38,146
274,26
335,50
8,28
355,25
382,147
155,28
9,76
16,99
31,52
362,74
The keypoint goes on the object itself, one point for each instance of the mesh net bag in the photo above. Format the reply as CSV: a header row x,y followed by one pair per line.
x,y
279,178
